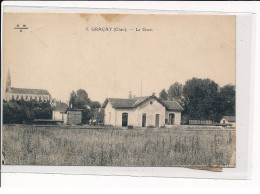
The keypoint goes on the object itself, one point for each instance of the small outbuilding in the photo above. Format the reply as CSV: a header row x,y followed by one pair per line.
x,y
228,120
63,113
74,117
59,112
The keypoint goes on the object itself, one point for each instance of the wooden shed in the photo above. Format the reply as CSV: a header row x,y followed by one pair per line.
x,y
74,117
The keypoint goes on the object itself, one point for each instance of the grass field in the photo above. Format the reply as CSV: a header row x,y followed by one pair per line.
x,y
178,146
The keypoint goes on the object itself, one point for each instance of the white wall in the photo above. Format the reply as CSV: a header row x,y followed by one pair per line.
x,y
109,109
177,117
151,110
222,121
56,115
131,116
135,115
233,124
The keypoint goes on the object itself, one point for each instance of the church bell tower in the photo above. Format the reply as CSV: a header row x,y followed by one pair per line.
x,y
8,81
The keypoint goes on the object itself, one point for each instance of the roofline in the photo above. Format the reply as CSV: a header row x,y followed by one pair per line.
x,y
126,108
108,100
135,106
179,105
105,103
45,90
176,110
223,117
154,98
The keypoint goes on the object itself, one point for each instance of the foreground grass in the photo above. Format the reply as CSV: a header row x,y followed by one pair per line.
x,y
179,146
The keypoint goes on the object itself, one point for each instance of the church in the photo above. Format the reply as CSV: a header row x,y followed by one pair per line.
x,y
141,112
24,93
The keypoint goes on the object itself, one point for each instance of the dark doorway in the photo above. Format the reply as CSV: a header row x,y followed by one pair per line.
x,y
171,119
157,120
124,119
144,120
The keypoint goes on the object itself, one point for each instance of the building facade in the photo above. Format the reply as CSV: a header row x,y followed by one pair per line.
x,y
59,112
228,120
74,117
141,112
12,93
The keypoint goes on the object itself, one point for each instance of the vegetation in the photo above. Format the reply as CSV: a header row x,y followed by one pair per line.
x,y
19,111
99,115
163,95
202,99
80,100
63,145
175,92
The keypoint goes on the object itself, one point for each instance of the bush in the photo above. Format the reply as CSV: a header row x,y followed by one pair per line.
x,y
99,115
20,111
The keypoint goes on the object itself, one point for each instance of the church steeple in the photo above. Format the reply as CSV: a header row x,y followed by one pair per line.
x,y
8,80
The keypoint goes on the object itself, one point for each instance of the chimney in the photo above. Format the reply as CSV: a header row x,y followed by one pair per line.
x,y
130,95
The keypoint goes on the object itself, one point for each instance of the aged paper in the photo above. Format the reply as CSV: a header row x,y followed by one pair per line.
x,y
119,90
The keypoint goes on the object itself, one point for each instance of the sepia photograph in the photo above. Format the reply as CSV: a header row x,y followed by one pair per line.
x,y
128,90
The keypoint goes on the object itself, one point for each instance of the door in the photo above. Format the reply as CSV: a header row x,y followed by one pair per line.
x,y
171,119
124,119
157,120
144,120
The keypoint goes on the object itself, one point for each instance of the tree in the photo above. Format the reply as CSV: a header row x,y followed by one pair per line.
x,y
95,104
80,100
175,92
163,95
201,99
72,101
99,115
228,100
19,111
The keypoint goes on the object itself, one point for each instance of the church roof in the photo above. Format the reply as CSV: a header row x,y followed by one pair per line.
x,y
120,103
29,91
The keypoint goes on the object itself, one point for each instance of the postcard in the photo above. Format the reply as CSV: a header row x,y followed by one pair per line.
x,y
128,90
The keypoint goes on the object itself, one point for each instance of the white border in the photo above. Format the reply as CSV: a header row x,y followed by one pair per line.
x,y
244,57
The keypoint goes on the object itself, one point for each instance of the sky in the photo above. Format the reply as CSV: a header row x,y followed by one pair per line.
x,y
59,54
